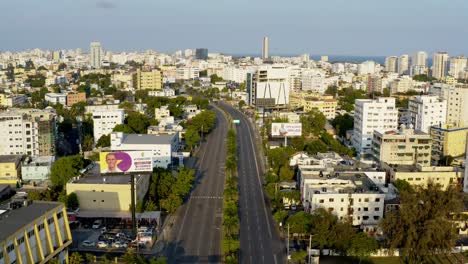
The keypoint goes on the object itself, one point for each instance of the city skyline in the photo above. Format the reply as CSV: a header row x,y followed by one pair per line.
x,y
396,28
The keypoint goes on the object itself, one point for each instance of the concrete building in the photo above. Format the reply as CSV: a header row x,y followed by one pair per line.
x,y
36,232
448,140
268,86
166,92
201,54
266,48
161,112
313,81
348,195
403,64
73,98
404,147
10,169
325,104
12,100
367,67
28,132
456,96
458,65
162,147
426,111
440,65
105,120
102,195
148,80
187,73
37,168
370,115
420,175
56,98
401,85
95,55
420,59
391,64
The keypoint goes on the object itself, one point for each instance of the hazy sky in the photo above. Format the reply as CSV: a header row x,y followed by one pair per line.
x,y
339,27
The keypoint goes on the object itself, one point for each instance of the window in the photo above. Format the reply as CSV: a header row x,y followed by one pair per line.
x,y
377,209
331,200
342,199
20,240
40,227
366,209
365,217
31,233
321,201
10,248
50,221
366,200
341,209
376,217
102,201
59,215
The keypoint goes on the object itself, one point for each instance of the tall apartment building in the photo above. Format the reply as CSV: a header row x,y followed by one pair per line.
x,y
268,86
403,147
440,65
201,54
266,48
105,121
426,111
28,132
403,64
448,140
95,55
391,64
420,59
458,65
456,96
187,73
370,115
35,232
148,80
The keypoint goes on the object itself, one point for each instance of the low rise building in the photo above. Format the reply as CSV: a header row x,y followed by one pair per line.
x,y
73,98
56,98
421,175
161,146
10,169
36,232
12,100
148,80
405,146
190,111
448,140
105,120
37,168
161,113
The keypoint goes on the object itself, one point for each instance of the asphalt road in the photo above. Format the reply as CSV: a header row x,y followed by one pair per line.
x,y
196,234
259,239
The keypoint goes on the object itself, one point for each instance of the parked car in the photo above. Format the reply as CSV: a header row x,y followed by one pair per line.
x,y
88,243
102,244
97,224
119,244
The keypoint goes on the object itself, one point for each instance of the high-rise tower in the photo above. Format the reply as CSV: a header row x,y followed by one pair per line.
x,y
265,50
95,55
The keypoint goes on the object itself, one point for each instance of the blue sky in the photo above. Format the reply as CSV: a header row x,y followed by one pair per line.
x,y
339,27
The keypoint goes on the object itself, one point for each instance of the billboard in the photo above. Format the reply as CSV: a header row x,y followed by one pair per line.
x,y
126,161
286,129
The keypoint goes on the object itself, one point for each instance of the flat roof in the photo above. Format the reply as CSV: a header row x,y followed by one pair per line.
x,y
13,220
9,158
147,139
94,176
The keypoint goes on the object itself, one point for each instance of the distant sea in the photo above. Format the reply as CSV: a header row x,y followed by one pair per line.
x,y
332,58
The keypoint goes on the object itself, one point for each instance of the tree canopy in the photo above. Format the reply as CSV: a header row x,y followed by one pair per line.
x,y
66,168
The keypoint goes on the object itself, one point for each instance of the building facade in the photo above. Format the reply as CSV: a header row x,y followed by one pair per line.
x,y
73,98
440,65
95,55
448,140
426,111
105,120
147,80
268,86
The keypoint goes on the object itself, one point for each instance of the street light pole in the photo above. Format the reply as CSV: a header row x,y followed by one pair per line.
x,y
287,247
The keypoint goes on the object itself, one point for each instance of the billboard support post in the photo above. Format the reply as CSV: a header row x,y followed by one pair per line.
x,y
285,141
132,189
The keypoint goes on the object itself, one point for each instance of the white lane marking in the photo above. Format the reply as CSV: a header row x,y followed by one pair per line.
x,y
274,257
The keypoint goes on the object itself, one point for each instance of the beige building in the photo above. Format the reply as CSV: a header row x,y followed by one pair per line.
x,y
73,98
421,175
148,80
100,193
448,140
325,103
404,147
10,169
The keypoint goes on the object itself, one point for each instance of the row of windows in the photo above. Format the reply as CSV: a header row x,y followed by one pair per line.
x,y
366,200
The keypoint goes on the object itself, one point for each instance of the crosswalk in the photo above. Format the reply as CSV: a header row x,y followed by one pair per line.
x,y
206,197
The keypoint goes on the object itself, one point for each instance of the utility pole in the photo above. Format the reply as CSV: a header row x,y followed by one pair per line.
x,y
132,189
287,247
310,247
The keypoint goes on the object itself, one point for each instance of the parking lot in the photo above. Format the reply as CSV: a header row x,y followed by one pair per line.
x,y
111,235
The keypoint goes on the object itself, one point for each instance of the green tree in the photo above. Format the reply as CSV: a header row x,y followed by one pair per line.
x,y
88,142
286,174
191,137
313,123
402,185
155,260
323,225
242,104
62,66
280,216
103,141
422,225
215,78
343,123
171,203
315,146
72,201
35,195
75,258
300,223
299,256
66,168
123,128
362,246
332,90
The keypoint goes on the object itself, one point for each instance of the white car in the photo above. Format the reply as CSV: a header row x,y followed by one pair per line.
x,y
96,224
88,243
102,244
118,244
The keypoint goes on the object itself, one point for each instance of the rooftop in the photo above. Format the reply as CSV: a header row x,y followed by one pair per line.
x,y
13,220
9,158
93,176
346,182
147,139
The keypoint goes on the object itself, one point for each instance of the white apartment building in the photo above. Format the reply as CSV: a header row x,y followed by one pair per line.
x,y
403,64
166,92
401,85
367,67
391,64
56,98
440,65
313,81
348,195
162,147
187,73
105,121
369,115
426,111
161,113
457,102
420,59
95,55
458,65
28,132
268,86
